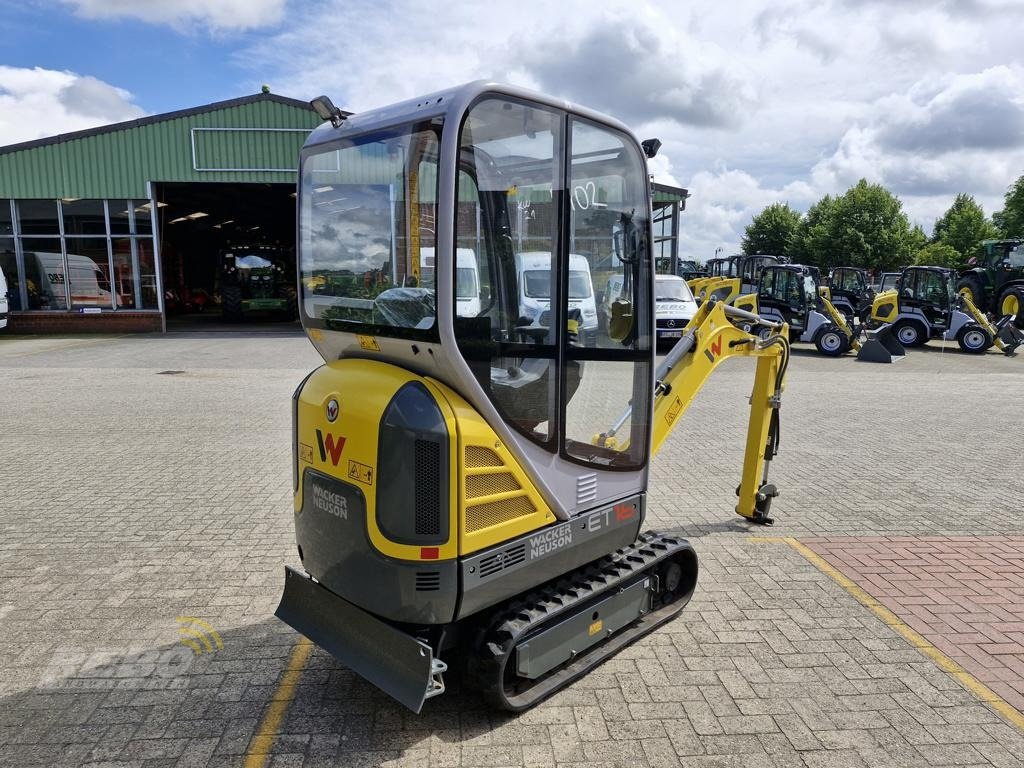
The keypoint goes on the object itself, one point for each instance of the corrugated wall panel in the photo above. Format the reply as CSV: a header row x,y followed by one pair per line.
x,y
118,164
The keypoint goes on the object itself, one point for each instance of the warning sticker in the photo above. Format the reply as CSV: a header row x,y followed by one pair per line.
x,y
368,343
306,453
594,628
361,473
673,410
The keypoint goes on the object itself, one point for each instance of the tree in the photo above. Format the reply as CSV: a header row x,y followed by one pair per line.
x,y
810,244
963,226
867,228
771,231
938,255
1011,219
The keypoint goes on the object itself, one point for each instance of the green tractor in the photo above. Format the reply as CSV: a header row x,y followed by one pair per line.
x,y
256,279
994,279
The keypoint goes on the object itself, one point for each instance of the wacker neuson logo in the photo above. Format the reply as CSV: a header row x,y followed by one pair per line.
x,y
330,502
550,540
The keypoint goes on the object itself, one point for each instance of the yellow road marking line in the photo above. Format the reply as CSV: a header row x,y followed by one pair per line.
x,y
1010,713
263,741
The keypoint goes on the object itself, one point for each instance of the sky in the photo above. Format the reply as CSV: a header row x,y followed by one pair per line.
x,y
755,101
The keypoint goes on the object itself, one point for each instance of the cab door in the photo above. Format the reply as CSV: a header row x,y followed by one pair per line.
x,y
928,291
547,196
782,290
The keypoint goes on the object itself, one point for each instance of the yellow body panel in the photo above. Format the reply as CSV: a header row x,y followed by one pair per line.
x,y
747,302
720,288
363,389
880,301
496,499
491,499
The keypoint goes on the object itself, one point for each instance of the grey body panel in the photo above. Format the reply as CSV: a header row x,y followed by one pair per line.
x,y
397,663
496,574
587,627
338,553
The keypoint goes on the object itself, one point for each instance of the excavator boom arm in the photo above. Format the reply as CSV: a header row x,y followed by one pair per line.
x,y
710,339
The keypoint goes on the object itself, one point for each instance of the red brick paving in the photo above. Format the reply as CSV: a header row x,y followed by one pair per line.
x,y
964,594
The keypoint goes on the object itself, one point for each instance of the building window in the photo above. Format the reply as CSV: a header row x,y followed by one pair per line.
x,y
38,217
84,217
75,253
45,280
88,269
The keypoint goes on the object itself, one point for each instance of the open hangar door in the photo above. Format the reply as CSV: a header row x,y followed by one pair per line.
x,y
228,255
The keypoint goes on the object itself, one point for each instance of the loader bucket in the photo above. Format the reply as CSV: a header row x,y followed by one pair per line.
x,y
399,664
881,346
1011,336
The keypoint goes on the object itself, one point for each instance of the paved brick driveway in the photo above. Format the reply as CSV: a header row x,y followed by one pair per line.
x,y
964,594
131,499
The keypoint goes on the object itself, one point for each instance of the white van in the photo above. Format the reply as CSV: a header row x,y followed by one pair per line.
x,y
467,279
674,305
4,303
533,270
46,271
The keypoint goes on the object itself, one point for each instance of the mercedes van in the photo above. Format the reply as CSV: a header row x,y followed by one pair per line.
x,y
674,305
535,278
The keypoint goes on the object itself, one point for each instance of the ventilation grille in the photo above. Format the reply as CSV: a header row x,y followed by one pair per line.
x,y
478,456
488,485
428,581
428,490
586,488
480,516
501,560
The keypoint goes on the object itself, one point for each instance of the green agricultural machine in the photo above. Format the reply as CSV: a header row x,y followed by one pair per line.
x,y
256,279
994,279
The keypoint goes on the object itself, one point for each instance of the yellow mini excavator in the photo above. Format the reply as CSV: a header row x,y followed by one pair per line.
x,y
470,467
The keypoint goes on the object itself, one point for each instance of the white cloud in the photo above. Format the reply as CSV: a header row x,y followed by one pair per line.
x,y
42,102
756,101
217,14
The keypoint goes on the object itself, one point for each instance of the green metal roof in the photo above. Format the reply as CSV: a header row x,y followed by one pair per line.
x,y
251,139
663,193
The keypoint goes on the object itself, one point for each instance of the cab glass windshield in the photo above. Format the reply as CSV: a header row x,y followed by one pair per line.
x,y
367,211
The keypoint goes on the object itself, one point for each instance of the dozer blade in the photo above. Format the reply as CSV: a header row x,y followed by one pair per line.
x,y
881,346
399,664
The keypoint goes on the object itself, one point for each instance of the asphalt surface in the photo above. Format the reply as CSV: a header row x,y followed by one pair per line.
x,y
145,514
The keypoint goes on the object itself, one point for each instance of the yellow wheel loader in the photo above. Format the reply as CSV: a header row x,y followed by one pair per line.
x,y
470,477
925,305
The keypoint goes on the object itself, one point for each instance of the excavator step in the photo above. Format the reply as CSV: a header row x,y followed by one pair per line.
x,y
538,644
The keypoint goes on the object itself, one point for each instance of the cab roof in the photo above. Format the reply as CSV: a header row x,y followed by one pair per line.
x,y
441,103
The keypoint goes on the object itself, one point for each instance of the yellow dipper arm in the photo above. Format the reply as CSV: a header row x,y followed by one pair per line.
x,y
709,339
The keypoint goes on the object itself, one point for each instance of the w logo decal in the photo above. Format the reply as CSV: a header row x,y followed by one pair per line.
x,y
329,447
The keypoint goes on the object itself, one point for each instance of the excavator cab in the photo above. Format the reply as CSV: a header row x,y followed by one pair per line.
x,y
470,462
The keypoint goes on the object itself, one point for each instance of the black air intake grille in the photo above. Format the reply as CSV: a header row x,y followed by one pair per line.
x,y
428,581
428,492
501,560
